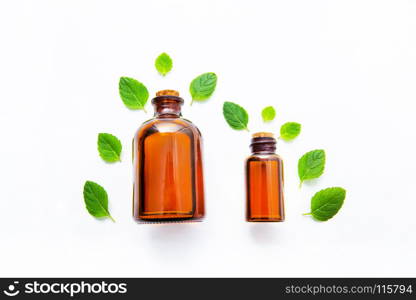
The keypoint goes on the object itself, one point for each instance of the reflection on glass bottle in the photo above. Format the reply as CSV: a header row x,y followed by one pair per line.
x,y
264,181
167,161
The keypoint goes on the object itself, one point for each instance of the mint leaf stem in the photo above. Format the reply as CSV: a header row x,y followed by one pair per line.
x,y
111,218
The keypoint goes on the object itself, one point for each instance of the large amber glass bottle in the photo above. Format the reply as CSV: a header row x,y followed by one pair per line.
x,y
167,160
264,181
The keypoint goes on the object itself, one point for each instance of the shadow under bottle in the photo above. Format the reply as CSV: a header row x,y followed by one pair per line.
x,y
167,160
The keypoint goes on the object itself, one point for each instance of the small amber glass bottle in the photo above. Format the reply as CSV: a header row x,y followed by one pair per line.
x,y
167,160
264,181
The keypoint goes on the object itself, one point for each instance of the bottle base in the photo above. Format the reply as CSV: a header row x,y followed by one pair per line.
x,y
264,220
167,221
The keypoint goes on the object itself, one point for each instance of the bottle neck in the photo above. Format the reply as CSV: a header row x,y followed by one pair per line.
x,y
263,145
167,106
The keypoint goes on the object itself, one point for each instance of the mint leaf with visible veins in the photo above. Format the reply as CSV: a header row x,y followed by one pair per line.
x,y
235,115
290,130
96,200
163,64
203,86
311,165
109,147
326,203
133,93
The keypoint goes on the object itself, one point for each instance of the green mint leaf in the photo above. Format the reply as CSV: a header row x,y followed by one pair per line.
x,y
163,64
268,114
109,147
96,200
311,165
235,115
290,130
203,86
326,203
133,93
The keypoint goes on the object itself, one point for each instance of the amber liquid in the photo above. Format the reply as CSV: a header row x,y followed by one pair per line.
x,y
264,182
168,183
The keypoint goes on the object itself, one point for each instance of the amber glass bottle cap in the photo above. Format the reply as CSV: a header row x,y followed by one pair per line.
x,y
167,93
263,134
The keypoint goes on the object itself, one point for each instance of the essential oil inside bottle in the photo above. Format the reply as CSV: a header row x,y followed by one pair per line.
x,y
167,160
264,181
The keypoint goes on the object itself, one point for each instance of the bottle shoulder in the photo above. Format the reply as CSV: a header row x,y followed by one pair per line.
x,y
166,125
264,157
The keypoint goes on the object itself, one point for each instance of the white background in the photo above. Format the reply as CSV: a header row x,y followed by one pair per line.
x,y
346,70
